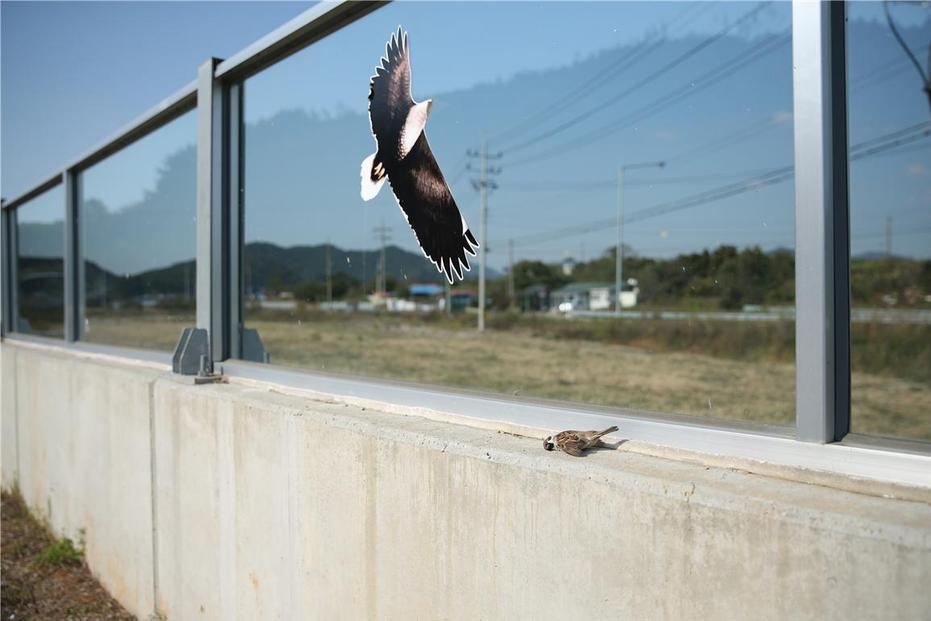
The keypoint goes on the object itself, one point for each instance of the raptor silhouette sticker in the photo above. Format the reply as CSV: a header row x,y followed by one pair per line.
x,y
404,158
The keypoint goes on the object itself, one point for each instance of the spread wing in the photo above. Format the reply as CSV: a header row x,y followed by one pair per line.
x,y
390,89
431,211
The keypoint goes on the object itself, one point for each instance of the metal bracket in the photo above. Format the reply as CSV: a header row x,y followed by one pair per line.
x,y
192,356
252,347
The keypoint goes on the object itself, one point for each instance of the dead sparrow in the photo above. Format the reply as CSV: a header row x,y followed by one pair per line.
x,y
574,442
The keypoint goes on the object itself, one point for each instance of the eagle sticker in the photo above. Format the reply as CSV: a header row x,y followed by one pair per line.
x,y
403,156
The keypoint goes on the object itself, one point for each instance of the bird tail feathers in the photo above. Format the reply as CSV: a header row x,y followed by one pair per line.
x,y
372,174
610,429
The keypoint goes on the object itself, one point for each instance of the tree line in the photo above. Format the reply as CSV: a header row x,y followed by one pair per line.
x,y
728,278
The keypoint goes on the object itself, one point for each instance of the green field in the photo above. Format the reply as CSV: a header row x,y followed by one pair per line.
x,y
730,370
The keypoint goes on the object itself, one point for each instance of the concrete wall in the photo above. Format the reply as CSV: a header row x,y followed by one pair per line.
x,y
274,506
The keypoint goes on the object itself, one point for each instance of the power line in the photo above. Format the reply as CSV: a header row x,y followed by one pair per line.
x,y
735,137
884,71
774,176
775,120
600,78
690,88
925,75
600,184
923,130
604,104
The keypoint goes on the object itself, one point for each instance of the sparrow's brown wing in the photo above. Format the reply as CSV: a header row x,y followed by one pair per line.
x,y
571,443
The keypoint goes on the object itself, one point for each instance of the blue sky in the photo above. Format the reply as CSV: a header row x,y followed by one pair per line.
x,y
73,73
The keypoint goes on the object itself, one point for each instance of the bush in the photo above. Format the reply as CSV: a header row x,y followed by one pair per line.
x,y
59,553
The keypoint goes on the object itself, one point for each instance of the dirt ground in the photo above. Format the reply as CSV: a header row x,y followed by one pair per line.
x,y
44,579
517,362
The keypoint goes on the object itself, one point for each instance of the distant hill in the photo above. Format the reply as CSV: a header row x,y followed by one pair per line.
x,y
265,263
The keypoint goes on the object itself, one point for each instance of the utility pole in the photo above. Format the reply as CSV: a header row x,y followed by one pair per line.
x,y
187,282
329,273
888,237
383,235
483,184
619,252
511,273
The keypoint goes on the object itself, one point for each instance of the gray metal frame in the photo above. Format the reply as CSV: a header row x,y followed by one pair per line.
x,y
162,113
236,215
73,259
165,111
6,271
293,36
822,265
13,266
822,240
213,239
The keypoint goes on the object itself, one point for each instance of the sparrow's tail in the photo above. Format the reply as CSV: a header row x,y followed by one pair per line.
x,y
610,429
372,173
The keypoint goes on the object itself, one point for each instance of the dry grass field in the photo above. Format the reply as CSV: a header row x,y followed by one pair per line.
x,y
732,371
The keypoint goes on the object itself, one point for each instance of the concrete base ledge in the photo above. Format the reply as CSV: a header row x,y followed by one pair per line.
x,y
238,501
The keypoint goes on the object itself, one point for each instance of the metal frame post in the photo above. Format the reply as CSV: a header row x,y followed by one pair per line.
x,y
6,272
213,247
72,257
236,217
14,268
822,254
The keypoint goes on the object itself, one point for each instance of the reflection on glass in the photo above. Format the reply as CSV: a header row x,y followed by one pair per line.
x,y
40,279
576,114
138,238
890,220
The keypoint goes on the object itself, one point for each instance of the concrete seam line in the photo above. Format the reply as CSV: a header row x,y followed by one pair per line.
x,y
16,414
153,493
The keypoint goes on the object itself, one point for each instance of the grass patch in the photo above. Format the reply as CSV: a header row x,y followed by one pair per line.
x,y
59,553
46,578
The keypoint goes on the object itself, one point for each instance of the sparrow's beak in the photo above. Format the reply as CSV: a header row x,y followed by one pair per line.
x,y
547,445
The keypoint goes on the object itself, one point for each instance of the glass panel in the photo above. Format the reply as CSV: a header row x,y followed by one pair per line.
x,y
138,226
890,218
576,113
40,277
